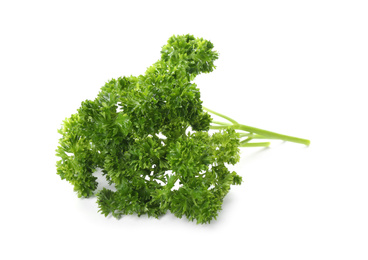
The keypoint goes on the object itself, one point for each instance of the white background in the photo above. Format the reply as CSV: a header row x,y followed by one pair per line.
x,y
294,67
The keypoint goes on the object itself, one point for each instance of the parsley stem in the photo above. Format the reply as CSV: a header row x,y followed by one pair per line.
x,y
254,133
271,135
265,144
245,134
246,140
220,115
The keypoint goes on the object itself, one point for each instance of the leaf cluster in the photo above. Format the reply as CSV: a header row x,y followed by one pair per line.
x,y
149,135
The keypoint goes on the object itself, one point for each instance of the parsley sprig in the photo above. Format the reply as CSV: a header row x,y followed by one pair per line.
x,y
150,137
252,132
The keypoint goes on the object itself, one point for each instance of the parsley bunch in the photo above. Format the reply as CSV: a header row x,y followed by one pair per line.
x,y
150,135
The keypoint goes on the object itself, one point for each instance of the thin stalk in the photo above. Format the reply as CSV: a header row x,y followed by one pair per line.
x,y
261,137
246,140
220,115
254,132
265,144
253,136
244,134
271,135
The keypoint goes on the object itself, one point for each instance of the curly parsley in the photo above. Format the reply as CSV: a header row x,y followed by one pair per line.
x,y
150,133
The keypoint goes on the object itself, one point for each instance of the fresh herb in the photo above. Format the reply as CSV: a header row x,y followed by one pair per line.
x,y
150,137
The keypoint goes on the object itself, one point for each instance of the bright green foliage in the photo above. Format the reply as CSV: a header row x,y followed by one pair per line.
x,y
149,133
